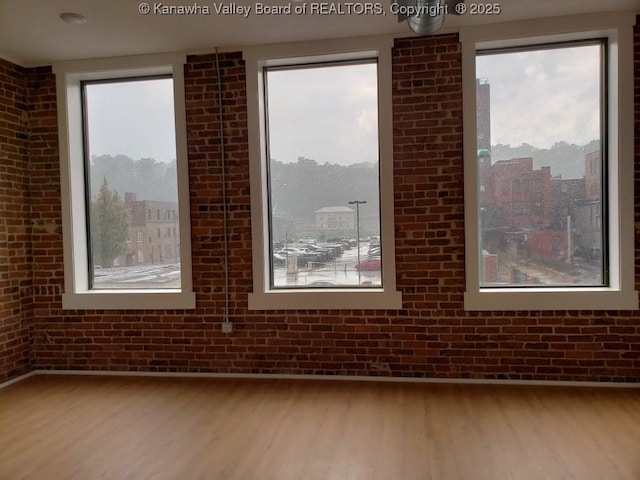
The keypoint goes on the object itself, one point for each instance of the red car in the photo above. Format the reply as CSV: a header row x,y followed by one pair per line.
x,y
371,263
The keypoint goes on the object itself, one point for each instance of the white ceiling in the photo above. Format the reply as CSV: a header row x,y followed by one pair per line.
x,y
32,33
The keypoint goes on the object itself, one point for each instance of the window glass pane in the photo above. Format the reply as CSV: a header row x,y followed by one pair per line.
x,y
323,176
132,184
541,166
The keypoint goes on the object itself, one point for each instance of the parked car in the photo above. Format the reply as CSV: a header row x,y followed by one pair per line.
x,y
324,254
279,259
291,251
336,248
371,263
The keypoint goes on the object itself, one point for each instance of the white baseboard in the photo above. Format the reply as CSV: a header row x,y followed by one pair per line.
x,y
349,378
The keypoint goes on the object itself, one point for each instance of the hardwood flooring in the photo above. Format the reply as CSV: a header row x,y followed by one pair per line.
x,y
85,428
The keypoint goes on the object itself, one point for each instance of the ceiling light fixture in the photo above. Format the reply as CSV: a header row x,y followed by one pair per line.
x,y
73,18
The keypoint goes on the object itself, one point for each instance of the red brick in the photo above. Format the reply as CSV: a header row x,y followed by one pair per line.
x,y
431,337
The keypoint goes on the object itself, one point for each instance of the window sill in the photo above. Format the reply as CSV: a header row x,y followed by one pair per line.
x,y
129,300
502,299
351,299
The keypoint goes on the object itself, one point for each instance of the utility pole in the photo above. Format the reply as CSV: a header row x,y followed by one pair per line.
x,y
357,203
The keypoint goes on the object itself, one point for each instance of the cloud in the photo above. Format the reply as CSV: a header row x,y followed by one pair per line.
x,y
133,118
328,114
545,96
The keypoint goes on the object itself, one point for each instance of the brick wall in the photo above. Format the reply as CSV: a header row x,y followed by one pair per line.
x,y
46,206
15,245
432,336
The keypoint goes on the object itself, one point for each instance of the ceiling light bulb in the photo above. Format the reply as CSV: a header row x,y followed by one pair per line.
x,y
74,18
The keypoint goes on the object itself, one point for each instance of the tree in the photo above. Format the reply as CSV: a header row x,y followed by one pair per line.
x,y
301,188
109,224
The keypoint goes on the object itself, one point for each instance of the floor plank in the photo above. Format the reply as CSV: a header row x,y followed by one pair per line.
x,y
83,427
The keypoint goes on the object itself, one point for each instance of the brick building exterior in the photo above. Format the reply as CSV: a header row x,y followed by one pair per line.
x,y
527,212
154,233
514,194
483,109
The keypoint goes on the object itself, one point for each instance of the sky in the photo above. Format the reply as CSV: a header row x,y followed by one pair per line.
x,y
328,114
543,97
134,118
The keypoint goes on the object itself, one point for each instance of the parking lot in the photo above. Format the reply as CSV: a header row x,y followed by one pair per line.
x,y
341,271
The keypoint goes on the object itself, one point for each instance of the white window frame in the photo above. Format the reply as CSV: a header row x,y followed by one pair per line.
x,y
620,294
263,296
69,76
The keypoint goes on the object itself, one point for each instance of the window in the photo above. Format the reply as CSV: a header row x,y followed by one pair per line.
x,y
549,166
321,173
562,130
328,164
111,115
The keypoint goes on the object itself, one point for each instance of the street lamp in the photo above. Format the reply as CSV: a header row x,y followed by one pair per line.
x,y
357,203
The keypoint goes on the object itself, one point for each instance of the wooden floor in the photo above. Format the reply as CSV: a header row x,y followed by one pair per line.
x,y
57,427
